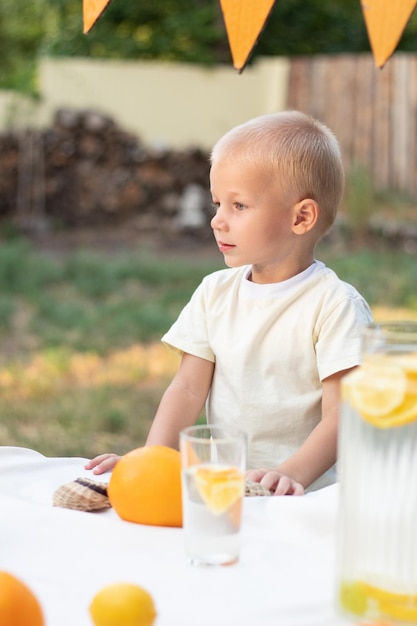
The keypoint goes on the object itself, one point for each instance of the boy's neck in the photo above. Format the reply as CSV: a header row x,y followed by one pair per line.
x,y
279,273
283,270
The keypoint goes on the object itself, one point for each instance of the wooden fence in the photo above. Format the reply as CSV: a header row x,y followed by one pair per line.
x,y
372,112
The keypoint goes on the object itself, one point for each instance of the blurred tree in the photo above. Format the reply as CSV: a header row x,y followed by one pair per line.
x,y
176,30
310,27
20,43
193,30
180,30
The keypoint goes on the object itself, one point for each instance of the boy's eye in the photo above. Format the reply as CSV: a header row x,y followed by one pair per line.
x,y
215,205
239,206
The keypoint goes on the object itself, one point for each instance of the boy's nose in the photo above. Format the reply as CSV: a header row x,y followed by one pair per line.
x,y
217,222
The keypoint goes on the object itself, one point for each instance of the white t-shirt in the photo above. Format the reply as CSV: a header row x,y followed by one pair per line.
x,y
272,345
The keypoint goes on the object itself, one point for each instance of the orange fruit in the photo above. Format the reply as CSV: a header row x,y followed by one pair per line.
x,y
122,604
145,486
219,487
18,604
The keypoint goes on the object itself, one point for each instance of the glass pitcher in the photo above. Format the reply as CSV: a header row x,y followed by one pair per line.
x,y
377,541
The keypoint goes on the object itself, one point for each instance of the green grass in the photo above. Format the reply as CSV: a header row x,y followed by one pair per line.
x,y
81,366
92,308
84,423
88,301
385,278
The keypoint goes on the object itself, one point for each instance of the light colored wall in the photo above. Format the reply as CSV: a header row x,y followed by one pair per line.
x,y
16,110
171,104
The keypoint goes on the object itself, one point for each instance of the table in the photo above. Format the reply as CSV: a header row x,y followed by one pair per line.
x,y
285,576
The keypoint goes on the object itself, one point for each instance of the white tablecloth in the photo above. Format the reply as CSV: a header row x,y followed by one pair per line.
x,y
286,575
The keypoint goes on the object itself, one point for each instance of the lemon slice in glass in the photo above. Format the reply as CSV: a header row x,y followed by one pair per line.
x,y
219,487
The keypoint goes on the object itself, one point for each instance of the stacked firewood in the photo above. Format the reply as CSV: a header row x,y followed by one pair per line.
x,y
85,171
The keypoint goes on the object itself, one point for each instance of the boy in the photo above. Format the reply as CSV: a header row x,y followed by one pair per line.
x,y
266,342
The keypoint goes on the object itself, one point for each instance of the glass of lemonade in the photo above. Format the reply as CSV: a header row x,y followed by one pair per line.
x,y
213,485
377,543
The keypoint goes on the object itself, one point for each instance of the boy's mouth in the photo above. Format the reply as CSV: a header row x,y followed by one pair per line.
x,y
224,247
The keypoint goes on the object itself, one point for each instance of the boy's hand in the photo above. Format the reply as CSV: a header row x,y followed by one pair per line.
x,y
102,463
279,484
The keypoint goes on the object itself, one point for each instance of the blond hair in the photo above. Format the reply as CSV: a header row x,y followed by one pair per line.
x,y
297,150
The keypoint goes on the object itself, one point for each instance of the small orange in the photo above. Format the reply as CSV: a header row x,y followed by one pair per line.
x,y
145,486
123,604
18,604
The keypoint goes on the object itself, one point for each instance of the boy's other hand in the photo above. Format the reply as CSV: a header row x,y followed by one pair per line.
x,y
279,484
102,463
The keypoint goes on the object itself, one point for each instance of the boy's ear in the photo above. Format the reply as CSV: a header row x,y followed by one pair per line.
x,y
306,215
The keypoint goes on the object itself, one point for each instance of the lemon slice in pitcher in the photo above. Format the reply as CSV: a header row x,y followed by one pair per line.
x,y
219,487
358,597
402,606
377,390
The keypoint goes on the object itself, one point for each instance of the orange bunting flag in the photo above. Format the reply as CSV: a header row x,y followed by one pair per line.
x,y
244,21
92,10
385,22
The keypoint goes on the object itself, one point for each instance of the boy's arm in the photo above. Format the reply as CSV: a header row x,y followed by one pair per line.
x,y
317,454
182,402
180,406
